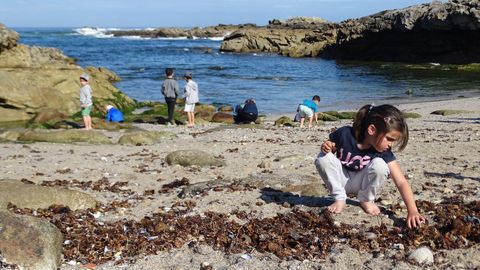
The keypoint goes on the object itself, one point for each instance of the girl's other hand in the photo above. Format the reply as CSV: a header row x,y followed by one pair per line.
x,y
328,146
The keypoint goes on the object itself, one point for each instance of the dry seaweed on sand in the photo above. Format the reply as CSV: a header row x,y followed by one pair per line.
x,y
296,235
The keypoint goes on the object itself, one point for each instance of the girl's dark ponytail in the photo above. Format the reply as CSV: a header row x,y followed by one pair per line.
x,y
358,130
385,118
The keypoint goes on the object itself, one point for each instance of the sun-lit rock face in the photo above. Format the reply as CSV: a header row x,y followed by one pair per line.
x,y
435,32
33,79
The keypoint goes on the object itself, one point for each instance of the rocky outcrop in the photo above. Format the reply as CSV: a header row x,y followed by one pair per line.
x,y
284,41
34,79
435,32
173,32
298,23
8,38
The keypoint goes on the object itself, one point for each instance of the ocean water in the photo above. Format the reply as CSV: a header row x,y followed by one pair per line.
x,y
277,83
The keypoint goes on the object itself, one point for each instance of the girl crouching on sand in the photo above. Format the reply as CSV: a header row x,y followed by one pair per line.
x,y
363,160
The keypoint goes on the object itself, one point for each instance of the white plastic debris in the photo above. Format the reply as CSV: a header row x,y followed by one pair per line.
x,y
96,214
422,255
246,257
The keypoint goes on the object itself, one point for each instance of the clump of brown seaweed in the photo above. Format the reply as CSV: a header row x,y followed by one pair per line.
x,y
295,235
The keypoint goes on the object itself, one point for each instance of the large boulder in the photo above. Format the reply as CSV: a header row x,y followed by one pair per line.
x,y
65,136
34,196
193,157
29,242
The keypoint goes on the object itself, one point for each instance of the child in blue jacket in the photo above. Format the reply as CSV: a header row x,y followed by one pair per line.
x,y
114,115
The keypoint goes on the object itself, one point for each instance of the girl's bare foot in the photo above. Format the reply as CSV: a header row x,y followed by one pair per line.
x,y
370,208
336,207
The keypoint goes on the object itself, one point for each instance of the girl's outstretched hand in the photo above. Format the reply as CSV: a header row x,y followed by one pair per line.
x,y
328,146
415,220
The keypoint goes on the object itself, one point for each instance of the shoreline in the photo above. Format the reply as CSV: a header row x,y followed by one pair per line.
x,y
446,101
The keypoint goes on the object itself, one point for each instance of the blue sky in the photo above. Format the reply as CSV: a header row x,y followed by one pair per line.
x,y
182,13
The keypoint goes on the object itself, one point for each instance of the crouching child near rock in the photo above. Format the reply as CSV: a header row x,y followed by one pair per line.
x,y
308,109
358,160
114,115
246,113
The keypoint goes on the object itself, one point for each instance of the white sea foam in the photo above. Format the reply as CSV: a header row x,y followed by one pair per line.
x,y
95,31
136,37
216,38
172,38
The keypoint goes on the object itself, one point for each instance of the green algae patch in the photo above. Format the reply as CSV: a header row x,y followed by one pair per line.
x,y
449,112
341,115
412,115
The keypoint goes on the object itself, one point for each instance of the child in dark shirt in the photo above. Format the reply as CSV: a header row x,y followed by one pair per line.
x,y
363,160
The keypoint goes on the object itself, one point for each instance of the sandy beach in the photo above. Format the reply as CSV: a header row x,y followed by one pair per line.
x,y
441,161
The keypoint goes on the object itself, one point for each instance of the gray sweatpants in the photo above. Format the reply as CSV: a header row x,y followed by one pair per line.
x,y
340,181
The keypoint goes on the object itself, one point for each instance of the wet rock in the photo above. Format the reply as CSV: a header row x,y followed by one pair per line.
x,y
449,112
145,137
65,136
193,157
327,117
339,115
111,126
284,121
422,255
67,124
33,196
48,115
225,108
30,242
221,117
